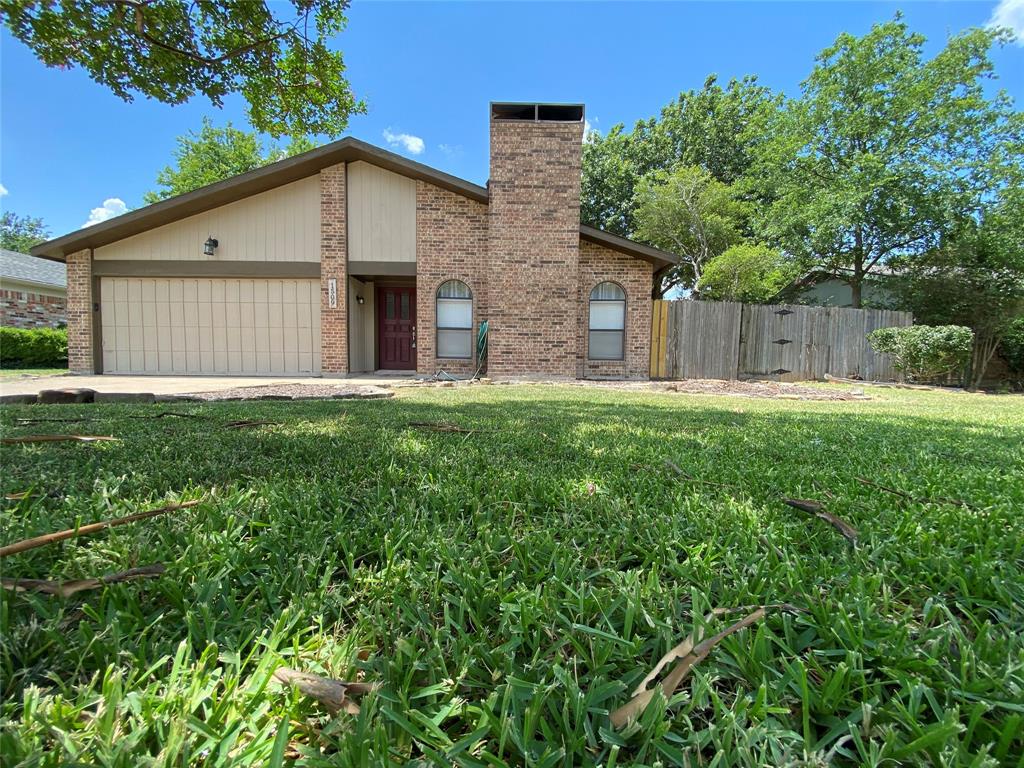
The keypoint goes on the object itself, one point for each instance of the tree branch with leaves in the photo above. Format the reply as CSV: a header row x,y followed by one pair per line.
x,y
275,54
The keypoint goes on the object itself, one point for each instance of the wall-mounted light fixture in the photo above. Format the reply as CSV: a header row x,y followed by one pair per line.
x,y
210,246
360,300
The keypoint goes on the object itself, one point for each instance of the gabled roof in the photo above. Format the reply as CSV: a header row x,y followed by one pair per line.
x,y
29,269
291,169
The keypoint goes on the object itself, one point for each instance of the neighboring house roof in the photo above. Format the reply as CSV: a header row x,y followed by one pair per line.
x,y
816,276
30,269
290,169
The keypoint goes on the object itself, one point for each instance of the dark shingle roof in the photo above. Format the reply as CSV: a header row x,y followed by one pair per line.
x,y
31,269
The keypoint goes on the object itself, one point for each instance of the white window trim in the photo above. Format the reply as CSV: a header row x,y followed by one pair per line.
x,y
621,331
438,329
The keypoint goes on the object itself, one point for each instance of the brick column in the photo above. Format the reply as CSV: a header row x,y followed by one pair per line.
x,y
333,265
80,313
533,244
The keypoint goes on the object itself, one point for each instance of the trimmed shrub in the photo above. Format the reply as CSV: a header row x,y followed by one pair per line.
x,y
925,352
33,347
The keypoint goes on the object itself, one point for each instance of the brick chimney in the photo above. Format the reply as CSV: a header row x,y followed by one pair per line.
x,y
533,238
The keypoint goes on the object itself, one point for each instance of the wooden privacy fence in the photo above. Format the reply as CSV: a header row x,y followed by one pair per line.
x,y
728,340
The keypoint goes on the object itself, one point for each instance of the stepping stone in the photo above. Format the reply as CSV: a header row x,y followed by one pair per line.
x,y
17,399
58,396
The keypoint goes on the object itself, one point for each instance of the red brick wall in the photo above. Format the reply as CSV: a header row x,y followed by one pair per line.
x,y
533,243
597,265
79,310
20,309
333,264
451,244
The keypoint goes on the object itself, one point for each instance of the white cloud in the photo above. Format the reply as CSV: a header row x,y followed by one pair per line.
x,y
412,144
450,150
588,130
1010,13
3,190
112,206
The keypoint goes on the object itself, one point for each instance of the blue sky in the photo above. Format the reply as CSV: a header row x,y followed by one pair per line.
x,y
428,71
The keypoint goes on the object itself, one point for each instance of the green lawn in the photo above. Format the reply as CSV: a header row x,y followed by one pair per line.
x,y
15,373
509,587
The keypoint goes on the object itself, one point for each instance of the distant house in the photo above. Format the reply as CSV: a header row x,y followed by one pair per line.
x,y
33,291
823,288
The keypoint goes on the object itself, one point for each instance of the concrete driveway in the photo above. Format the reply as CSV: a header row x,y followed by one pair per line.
x,y
179,385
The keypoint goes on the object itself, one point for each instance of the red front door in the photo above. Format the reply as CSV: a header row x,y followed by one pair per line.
x,y
396,328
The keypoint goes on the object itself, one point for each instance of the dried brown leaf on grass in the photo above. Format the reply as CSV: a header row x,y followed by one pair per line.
x,y
817,509
59,419
333,694
68,588
687,476
441,426
59,439
915,499
169,414
50,538
689,652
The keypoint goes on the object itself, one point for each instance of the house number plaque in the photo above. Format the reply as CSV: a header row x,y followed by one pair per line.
x,y
332,293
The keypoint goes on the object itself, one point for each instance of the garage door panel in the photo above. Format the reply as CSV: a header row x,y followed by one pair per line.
x,y
210,326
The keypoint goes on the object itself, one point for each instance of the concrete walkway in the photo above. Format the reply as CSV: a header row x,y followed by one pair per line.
x,y
180,385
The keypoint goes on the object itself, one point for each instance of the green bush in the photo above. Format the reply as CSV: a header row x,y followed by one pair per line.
x,y
33,347
924,352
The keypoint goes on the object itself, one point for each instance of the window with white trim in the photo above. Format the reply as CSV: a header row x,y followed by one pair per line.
x,y
455,321
607,328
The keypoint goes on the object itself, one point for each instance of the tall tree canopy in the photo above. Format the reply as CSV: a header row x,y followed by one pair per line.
x,y
714,128
690,213
20,233
274,54
214,154
882,151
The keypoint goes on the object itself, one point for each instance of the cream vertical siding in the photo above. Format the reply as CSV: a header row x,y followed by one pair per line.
x,y
281,224
362,327
210,326
381,215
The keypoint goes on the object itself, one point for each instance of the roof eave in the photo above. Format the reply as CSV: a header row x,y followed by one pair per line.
x,y
293,169
655,256
245,185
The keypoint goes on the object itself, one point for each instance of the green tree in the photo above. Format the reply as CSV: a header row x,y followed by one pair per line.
x,y
690,213
713,128
274,54
749,272
974,278
214,154
881,150
20,233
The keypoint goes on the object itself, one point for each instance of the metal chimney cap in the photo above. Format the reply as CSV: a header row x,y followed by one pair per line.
x,y
535,112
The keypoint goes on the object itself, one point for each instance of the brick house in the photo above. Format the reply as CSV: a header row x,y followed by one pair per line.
x,y
349,259
32,291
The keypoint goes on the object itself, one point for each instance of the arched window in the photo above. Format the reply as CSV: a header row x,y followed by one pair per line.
x,y
607,322
455,320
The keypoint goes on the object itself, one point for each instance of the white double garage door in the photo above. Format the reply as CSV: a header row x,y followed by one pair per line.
x,y
210,326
